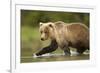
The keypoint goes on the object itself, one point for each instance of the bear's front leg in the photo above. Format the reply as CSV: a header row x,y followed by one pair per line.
x,y
67,52
52,47
65,48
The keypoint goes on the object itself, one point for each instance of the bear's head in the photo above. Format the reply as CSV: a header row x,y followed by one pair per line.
x,y
46,30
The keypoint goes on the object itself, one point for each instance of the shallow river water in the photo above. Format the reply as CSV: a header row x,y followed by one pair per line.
x,y
50,58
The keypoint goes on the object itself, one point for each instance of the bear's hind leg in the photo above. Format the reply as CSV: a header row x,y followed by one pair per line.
x,y
81,50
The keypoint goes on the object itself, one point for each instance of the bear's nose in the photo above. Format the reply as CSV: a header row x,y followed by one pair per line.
x,y
42,39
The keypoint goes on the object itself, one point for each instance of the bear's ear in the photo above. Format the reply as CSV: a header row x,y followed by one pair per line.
x,y
40,23
50,25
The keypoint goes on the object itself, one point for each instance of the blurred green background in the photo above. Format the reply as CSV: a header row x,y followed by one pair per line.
x,y
30,36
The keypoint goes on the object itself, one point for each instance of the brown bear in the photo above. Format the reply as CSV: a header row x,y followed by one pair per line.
x,y
64,35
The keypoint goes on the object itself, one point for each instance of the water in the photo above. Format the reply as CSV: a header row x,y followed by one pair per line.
x,y
53,57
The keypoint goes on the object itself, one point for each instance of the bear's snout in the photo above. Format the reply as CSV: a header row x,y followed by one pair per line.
x,y
42,39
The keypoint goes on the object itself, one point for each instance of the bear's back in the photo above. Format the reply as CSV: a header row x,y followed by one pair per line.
x,y
73,31
77,32
77,28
